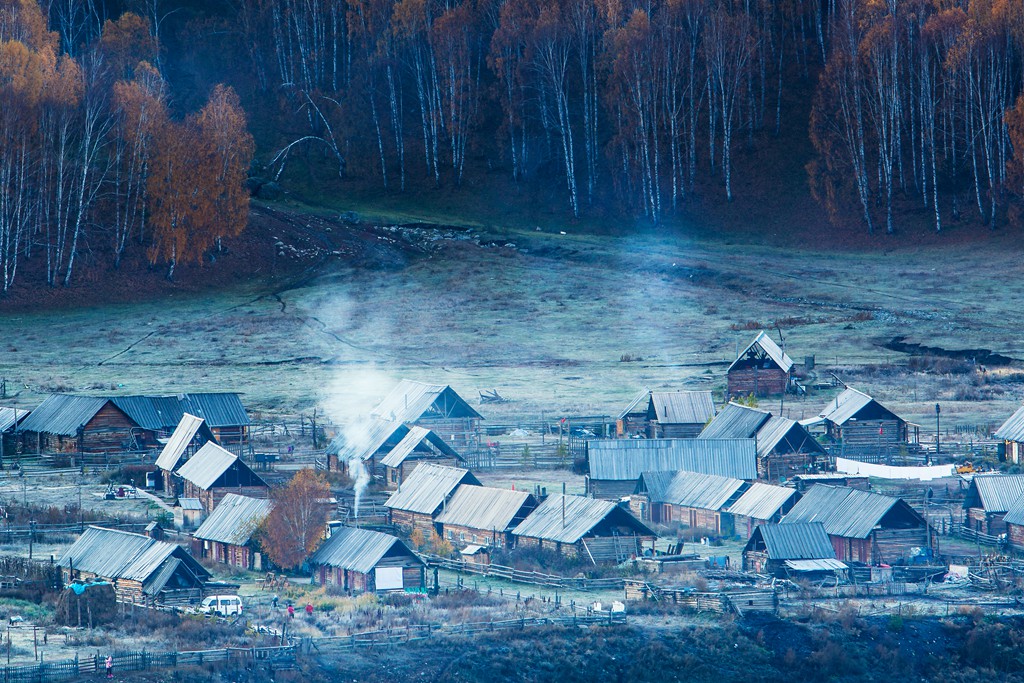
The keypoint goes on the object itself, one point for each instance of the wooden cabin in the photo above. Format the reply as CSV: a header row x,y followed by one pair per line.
x,y
861,426
784,447
10,431
424,495
761,369
227,534
988,500
666,414
615,465
64,423
1011,433
594,530
693,500
360,560
483,516
420,445
761,504
213,472
142,570
189,436
863,526
791,550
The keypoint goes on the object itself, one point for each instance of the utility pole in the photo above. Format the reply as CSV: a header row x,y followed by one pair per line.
x,y
937,447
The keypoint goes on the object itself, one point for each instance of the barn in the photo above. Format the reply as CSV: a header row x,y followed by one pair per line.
x,y
761,369
424,495
861,426
791,550
594,530
188,437
213,472
784,447
1011,433
141,569
863,526
988,500
614,465
483,516
360,560
64,423
227,533
666,414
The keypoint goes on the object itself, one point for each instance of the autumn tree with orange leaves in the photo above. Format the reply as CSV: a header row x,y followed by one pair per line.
x,y
295,527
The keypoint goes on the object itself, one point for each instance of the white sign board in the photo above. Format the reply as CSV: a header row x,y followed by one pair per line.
x,y
388,578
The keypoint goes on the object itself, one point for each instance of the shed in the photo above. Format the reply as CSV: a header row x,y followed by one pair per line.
x,y
694,500
360,560
420,445
1011,433
784,447
188,513
989,498
761,369
596,530
140,568
785,549
424,495
213,472
863,526
666,414
614,465
190,435
481,515
861,426
227,534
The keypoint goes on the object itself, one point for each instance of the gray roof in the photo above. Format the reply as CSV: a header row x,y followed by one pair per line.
x,y
428,487
581,515
735,422
772,433
114,554
682,407
365,437
482,507
190,504
846,405
625,459
418,439
826,564
234,520
761,501
641,403
179,441
771,349
207,465
411,401
846,512
805,541
359,550
695,490
7,417
63,414
1015,515
995,492
1011,430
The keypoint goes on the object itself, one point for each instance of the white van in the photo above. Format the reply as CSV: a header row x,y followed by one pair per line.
x,y
223,605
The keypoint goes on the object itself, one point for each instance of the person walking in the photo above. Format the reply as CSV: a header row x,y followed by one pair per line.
x,y
110,666
309,610
273,601
291,611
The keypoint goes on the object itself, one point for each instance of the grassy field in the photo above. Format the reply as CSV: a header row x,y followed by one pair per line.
x,y
558,323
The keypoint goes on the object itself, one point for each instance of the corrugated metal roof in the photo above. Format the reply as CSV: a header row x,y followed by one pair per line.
x,y
208,464
110,553
845,405
1015,515
358,550
654,484
410,401
1011,430
179,441
995,492
846,512
223,409
428,487
735,422
683,407
482,507
190,504
63,414
417,436
8,416
580,516
640,404
823,565
696,490
803,541
364,438
234,520
776,429
625,459
771,349
761,501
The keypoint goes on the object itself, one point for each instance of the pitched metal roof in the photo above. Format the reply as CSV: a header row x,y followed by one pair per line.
x,y
1011,430
640,404
826,564
771,349
190,504
846,405
761,501
683,407
365,437
8,416
581,515
776,429
625,459
223,409
234,520
803,541
63,414
211,461
110,553
846,512
995,492
412,442
428,487
735,422
695,490
410,401
179,441
1015,515
359,550
482,507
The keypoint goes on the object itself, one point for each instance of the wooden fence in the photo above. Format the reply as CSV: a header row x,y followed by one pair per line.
x,y
498,571
968,534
